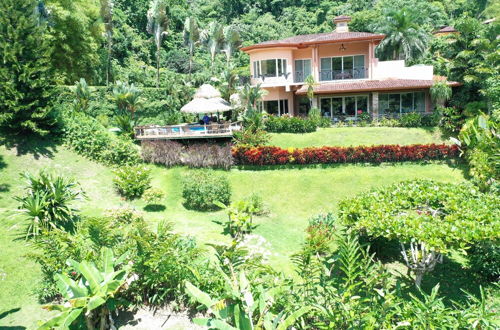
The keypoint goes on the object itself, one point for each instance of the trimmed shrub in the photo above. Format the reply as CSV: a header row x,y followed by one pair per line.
x,y
132,181
290,125
411,119
251,137
202,189
123,215
244,155
89,138
153,195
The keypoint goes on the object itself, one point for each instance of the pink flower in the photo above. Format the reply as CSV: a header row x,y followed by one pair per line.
x,y
360,111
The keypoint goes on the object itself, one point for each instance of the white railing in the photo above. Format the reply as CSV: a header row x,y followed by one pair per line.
x,y
186,131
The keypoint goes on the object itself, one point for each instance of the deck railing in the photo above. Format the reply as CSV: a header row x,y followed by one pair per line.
x,y
186,131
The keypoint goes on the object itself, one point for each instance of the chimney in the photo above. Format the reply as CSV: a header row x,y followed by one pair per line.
x,y
341,23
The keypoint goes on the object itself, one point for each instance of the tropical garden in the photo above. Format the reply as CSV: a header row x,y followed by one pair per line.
x,y
296,223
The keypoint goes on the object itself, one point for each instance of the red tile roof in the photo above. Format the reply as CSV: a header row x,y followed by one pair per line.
x,y
369,86
317,38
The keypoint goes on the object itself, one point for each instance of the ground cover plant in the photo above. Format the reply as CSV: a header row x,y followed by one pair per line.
x,y
132,181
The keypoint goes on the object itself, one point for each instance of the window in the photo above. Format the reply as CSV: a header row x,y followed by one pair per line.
x,y
344,105
343,67
269,68
304,105
302,70
275,107
398,103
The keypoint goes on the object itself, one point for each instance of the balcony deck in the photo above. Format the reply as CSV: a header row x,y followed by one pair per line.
x,y
178,132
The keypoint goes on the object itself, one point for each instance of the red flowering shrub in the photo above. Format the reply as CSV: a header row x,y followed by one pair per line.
x,y
266,155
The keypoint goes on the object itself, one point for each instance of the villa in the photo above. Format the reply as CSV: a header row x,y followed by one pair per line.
x,y
349,78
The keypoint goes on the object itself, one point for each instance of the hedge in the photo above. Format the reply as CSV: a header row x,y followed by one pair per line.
x,y
269,155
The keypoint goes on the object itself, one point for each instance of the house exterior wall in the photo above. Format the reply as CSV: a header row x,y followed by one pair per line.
x,y
280,93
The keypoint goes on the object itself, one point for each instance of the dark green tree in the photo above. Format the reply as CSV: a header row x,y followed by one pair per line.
x,y
26,77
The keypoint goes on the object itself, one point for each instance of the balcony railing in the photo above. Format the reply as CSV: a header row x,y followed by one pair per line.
x,y
356,73
299,76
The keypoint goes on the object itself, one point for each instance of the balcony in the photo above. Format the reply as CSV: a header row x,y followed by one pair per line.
x,y
300,76
356,73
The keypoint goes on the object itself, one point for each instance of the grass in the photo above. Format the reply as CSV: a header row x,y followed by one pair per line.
x,y
292,194
354,136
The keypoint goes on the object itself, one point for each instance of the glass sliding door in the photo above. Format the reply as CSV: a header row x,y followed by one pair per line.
x,y
406,102
419,101
326,107
359,67
302,70
350,105
399,103
326,69
344,105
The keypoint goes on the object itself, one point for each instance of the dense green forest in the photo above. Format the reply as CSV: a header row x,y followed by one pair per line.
x,y
82,32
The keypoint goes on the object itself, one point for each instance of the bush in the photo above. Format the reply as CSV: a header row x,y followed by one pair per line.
x,y
87,137
251,137
320,234
451,120
431,218
256,203
411,119
123,215
46,202
132,181
290,125
244,155
153,195
202,189
484,259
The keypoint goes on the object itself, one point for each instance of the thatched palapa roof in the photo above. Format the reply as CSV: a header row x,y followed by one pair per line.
x,y
207,99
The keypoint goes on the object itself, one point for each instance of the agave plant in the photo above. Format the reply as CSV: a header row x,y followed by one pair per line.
x,y
89,301
47,202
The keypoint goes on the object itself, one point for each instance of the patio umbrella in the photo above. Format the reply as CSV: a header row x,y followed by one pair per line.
x,y
207,99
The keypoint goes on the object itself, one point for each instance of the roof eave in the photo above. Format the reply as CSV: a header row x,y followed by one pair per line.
x,y
309,43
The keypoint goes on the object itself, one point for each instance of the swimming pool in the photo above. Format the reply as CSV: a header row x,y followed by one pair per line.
x,y
192,128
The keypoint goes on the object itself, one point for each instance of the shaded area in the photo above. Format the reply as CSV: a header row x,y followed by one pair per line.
x,y
154,208
36,146
7,313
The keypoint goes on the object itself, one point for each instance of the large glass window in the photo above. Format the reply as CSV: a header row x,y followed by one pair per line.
x,y
304,105
344,105
302,70
276,107
342,67
270,68
398,103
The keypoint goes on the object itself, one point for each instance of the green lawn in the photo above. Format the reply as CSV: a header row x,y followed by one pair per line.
x,y
354,136
291,194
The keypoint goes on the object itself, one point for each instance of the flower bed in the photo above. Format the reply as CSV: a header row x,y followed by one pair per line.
x,y
269,155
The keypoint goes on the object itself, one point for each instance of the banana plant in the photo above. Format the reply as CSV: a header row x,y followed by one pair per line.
x,y
89,301
242,309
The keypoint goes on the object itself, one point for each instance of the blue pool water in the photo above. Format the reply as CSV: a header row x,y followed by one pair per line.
x,y
196,128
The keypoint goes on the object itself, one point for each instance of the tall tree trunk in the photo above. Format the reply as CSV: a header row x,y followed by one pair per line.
x,y
157,67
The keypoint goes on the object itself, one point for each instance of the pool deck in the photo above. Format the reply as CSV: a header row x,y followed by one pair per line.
x,y
177,132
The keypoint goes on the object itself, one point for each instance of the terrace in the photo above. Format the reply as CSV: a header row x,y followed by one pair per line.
x,y
192,131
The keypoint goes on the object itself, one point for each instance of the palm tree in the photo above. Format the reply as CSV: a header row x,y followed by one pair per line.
x,y
213,37
191,38
250,95
310,83
440,92
107,17
231,41
157,26
405,39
